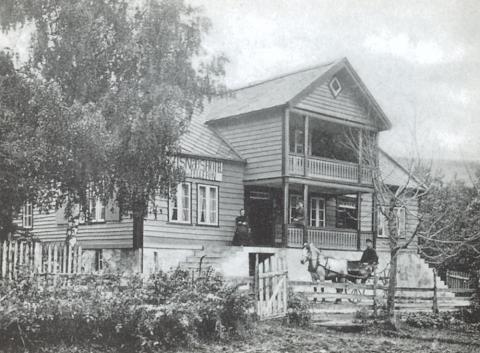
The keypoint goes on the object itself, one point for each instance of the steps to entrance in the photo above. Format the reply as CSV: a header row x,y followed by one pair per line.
x,y
210,257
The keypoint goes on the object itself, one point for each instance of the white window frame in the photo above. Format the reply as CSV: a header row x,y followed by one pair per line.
x,y
294,199
317,221
96,210
27,216
179,198
211,205
401,215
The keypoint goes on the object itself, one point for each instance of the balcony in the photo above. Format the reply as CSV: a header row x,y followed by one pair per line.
x,y
329,169
324,238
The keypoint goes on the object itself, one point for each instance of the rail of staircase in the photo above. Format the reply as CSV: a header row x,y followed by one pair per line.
x,y
330,169
327,238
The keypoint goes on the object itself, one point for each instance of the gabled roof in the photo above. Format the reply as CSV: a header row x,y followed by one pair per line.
x,y
395,174
283,90
200,140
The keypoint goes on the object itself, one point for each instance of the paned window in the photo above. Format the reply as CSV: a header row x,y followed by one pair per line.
x,y
207,205
181,204
317,212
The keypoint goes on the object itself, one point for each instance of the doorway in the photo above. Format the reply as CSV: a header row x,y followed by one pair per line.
x,y
260,215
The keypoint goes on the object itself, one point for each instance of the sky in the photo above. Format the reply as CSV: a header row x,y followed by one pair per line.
x,y
420,59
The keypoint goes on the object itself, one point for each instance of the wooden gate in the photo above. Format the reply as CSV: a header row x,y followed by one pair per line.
x,y
271,285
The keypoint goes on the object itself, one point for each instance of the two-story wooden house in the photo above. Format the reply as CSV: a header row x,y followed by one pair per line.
x,y
265,148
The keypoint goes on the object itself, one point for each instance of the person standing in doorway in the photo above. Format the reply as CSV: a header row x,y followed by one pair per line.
x,y
299,219
242,230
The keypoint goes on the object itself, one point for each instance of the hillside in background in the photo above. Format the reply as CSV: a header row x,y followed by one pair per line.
x,y
450,169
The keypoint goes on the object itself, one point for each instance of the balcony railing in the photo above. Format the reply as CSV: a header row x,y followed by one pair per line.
x,y
327,238
329,169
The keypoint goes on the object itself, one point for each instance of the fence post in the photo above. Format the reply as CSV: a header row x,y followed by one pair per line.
x,y
37,254
4,259
435,298
375,283
256,284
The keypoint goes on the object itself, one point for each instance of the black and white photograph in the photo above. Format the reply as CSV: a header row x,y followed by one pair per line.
x,y
239,176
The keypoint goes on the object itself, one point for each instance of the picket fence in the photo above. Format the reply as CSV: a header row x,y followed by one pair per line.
x,y
20,257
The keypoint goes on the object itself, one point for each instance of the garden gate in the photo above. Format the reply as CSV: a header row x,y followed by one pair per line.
x,y
271,286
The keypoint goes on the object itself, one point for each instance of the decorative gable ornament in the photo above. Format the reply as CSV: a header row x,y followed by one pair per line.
x,y
335,86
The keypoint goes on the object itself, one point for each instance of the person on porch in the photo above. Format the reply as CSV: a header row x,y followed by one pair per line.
x,y
369,256
242,230
299,219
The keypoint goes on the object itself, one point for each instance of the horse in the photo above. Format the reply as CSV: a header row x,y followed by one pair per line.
x,y
323,268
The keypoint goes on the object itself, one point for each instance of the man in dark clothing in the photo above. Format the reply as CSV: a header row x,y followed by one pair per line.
x,y
242,230
369,256
299,218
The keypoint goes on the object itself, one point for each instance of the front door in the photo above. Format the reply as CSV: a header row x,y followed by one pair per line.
x,y
261,220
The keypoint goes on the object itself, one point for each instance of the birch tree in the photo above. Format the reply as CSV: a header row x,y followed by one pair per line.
x,y
128,79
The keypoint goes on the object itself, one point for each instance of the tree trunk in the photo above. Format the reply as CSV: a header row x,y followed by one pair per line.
x,y
392,288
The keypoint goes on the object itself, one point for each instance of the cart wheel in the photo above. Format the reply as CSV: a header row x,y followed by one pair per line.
x,y
356,295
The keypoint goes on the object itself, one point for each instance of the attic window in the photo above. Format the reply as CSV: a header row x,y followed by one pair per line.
x,y
335,86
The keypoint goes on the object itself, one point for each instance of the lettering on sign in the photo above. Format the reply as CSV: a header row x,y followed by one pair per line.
x,y
201,168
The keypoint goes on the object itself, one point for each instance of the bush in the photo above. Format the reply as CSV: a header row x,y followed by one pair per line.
x,y
298,309
462,320
163,311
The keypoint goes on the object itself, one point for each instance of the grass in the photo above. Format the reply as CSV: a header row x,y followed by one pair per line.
x,y
274,337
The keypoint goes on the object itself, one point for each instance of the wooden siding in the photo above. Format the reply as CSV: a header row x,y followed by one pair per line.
x,y
231,193
258,140
111,234
348,105
411,221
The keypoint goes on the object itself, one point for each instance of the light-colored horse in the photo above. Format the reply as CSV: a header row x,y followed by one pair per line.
x,y
321,267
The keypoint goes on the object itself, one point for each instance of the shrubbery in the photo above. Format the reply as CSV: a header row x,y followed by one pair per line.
x,y
464,319
166,310
298,310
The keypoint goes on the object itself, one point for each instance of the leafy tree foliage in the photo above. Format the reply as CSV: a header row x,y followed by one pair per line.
x,y
127,81
31,128
451,227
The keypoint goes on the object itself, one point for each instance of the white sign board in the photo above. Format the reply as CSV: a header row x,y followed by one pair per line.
x,y
201,168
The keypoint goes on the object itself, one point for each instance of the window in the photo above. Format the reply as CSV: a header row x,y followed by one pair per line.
x,y
317,212
207,205
96,210
294,199
347,212
400,216
181,204
27,216
335,86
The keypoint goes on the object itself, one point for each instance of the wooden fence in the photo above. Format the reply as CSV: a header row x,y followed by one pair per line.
x,y
458,280
23,257
373,297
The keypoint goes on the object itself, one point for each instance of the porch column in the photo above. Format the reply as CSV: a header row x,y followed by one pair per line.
x,y
286,142
374,220
305,213
306,123
285,213
360,155
359,220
